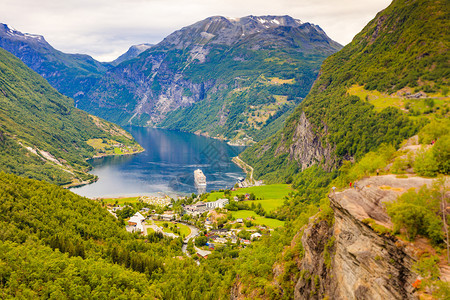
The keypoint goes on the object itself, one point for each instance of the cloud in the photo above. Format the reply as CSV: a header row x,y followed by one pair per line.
x,y
107,28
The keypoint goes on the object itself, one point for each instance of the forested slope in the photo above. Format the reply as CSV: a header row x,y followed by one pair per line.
x,y
56,244
401,55
70,74
42,135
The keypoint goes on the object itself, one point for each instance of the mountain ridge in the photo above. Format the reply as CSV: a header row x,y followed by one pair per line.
x,y
71,74
222,61
42,134
131,53
355,125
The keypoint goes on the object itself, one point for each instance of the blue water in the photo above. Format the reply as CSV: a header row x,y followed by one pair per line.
x,y
166,167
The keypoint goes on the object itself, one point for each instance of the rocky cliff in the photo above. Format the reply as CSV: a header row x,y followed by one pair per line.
x,y
348,259
306,146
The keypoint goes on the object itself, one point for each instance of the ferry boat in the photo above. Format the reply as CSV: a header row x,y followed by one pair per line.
x,y
199,177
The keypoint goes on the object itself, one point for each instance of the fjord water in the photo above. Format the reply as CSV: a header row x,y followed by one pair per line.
x,y
165,167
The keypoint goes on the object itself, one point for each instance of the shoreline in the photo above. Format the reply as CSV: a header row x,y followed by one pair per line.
x,y
94,180
161,195
243,165
74,185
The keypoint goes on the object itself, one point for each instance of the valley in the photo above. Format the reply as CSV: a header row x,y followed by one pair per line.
x,y
327,166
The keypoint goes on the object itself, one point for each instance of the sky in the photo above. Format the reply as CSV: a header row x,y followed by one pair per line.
x,y
105,29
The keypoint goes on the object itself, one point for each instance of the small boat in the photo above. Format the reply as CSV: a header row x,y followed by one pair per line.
x,y
199,177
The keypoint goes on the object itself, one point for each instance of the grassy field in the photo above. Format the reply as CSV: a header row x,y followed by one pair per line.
x,y
184,230
272,195
272,223
104,145
383,100
270,204
111,147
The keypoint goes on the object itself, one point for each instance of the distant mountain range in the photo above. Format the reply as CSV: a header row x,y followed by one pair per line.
x,y
226,78
132,52
236,79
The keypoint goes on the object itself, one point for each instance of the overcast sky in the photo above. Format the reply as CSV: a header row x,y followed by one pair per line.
x,y
105,29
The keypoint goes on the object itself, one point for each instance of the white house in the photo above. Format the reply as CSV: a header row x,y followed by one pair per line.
x,y
255,235
220,203
136,222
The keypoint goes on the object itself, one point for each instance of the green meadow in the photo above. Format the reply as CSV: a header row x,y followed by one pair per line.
x,y
244,214
272,195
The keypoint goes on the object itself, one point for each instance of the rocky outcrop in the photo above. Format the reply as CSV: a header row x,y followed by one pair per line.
x,y
306,147
348,259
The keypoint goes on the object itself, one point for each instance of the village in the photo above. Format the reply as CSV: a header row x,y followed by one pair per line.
x,y
202,224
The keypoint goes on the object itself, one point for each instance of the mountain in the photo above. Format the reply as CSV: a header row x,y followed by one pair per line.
x,y
222,77
70,74
132,52
42,134
376,114
373,91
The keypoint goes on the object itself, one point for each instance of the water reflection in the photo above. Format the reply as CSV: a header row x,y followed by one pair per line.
x,y
166,167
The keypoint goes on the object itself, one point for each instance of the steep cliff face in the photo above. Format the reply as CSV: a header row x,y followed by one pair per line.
x,y
306,146
348,259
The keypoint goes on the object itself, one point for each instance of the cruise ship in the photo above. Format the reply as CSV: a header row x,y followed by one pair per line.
x,y
199,177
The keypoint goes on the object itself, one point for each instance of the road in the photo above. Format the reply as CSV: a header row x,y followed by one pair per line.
x,y
193,234
246,167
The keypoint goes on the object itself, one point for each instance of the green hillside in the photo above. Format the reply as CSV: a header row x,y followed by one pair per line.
x,y
70,74
381,88
42,135
55,244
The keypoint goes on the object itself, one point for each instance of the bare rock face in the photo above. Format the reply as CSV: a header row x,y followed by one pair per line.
x,y
307,148
348,259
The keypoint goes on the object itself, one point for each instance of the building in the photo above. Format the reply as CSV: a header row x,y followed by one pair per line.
x,y
201,207
203,253
255,235
197,208
220,240
220,203
167,216
135,223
